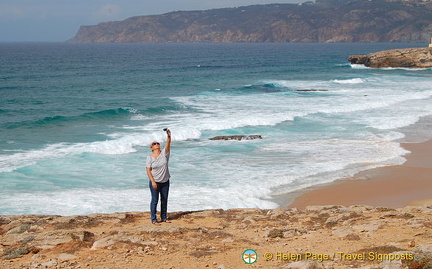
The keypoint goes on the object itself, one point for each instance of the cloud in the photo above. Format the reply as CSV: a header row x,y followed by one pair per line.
x,y
107,12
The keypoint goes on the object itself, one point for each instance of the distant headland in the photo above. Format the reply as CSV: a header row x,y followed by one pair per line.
x,y
328,21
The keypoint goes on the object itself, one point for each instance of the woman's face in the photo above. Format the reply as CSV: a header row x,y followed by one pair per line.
x,y
154,145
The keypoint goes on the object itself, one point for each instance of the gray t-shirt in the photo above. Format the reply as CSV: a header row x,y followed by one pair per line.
x,y
159,166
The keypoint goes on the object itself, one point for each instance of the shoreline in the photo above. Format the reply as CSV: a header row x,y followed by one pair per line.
x,y
391,186
279,238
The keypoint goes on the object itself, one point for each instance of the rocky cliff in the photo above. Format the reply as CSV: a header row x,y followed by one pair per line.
x,y
409,58
320,21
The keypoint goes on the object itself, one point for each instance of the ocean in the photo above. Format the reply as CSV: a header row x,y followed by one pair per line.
x,y
76,121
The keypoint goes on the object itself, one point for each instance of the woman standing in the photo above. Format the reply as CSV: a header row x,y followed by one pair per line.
x,y
158,173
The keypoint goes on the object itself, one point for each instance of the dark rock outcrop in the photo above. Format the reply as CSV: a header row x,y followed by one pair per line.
x,y
319,21
408,58
236,137
357,59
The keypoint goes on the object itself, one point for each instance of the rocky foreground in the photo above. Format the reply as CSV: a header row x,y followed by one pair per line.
x,y
318,237
406,58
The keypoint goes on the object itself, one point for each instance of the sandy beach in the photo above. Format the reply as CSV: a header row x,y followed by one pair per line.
x,y
392,186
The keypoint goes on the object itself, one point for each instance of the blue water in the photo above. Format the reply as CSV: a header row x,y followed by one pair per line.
x,y
76,121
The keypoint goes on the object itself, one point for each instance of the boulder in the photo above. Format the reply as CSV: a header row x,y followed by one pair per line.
x,y
407,58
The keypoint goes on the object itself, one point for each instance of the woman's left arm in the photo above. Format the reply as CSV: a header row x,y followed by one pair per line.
x,y
168,144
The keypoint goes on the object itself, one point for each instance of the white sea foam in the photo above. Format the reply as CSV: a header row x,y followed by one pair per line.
x,y
123,145
228,112
330,150
74,202
97,200
141,117
402,111
221,112
333,159
405,69
359,66
300,84
349,81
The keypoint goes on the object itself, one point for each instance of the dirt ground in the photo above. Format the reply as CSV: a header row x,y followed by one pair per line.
x,y
316,237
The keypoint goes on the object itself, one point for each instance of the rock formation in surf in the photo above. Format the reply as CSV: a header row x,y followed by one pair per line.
x,y
408,58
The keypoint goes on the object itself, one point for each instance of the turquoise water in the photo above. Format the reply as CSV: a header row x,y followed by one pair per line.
x,y
76,121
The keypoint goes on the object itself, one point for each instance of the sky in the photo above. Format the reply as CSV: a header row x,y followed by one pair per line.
x,y
59,20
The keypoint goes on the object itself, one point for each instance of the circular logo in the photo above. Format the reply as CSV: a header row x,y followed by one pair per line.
x,y
249,256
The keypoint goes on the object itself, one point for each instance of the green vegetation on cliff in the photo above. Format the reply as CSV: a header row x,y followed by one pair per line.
x,y
320,21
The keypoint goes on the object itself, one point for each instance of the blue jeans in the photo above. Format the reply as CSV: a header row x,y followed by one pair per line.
x,y
162,189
